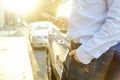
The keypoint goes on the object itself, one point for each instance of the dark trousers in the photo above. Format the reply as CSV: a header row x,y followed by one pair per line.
x,y
114,69
98,69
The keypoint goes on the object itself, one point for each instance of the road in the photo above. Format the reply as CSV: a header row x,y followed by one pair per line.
x,y
38,62
18,60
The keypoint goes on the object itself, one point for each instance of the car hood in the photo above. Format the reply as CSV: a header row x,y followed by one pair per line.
x,y
40,32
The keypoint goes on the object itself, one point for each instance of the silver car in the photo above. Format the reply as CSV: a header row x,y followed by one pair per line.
x,y
38,32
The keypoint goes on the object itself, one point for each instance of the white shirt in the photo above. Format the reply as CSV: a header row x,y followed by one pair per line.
x,y
95,24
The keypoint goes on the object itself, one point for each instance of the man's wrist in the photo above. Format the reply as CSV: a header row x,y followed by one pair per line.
x,y
83,56
75,57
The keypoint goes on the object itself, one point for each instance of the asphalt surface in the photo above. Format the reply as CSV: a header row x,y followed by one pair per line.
x,y
18,61
38,62
14,59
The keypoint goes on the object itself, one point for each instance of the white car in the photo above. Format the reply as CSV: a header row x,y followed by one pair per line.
x,y
38,32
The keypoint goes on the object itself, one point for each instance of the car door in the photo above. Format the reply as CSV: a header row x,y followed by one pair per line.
x,y
59,46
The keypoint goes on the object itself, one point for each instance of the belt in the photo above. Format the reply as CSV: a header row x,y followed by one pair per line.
x,y
74,45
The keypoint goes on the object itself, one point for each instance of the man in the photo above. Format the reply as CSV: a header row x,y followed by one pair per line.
x,y
95,24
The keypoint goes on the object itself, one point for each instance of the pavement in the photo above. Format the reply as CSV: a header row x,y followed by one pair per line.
x,y
14,59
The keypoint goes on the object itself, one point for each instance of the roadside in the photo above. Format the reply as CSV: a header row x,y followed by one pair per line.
x,y
17,58
14,56
14,59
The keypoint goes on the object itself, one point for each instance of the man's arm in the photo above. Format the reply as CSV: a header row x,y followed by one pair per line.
x,y
107,36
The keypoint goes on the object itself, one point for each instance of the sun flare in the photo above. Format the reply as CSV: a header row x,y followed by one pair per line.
x,y
19,6
64,10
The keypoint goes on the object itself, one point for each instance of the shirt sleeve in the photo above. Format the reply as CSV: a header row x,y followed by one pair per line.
x,y
107,36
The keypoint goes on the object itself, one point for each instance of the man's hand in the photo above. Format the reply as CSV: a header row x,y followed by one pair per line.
x,y
60,21
73,53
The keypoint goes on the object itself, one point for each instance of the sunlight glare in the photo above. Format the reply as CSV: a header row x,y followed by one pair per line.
x,y
64,10
19,6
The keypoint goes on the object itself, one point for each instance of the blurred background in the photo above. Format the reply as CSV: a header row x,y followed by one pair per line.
x,y
13,12
19,59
